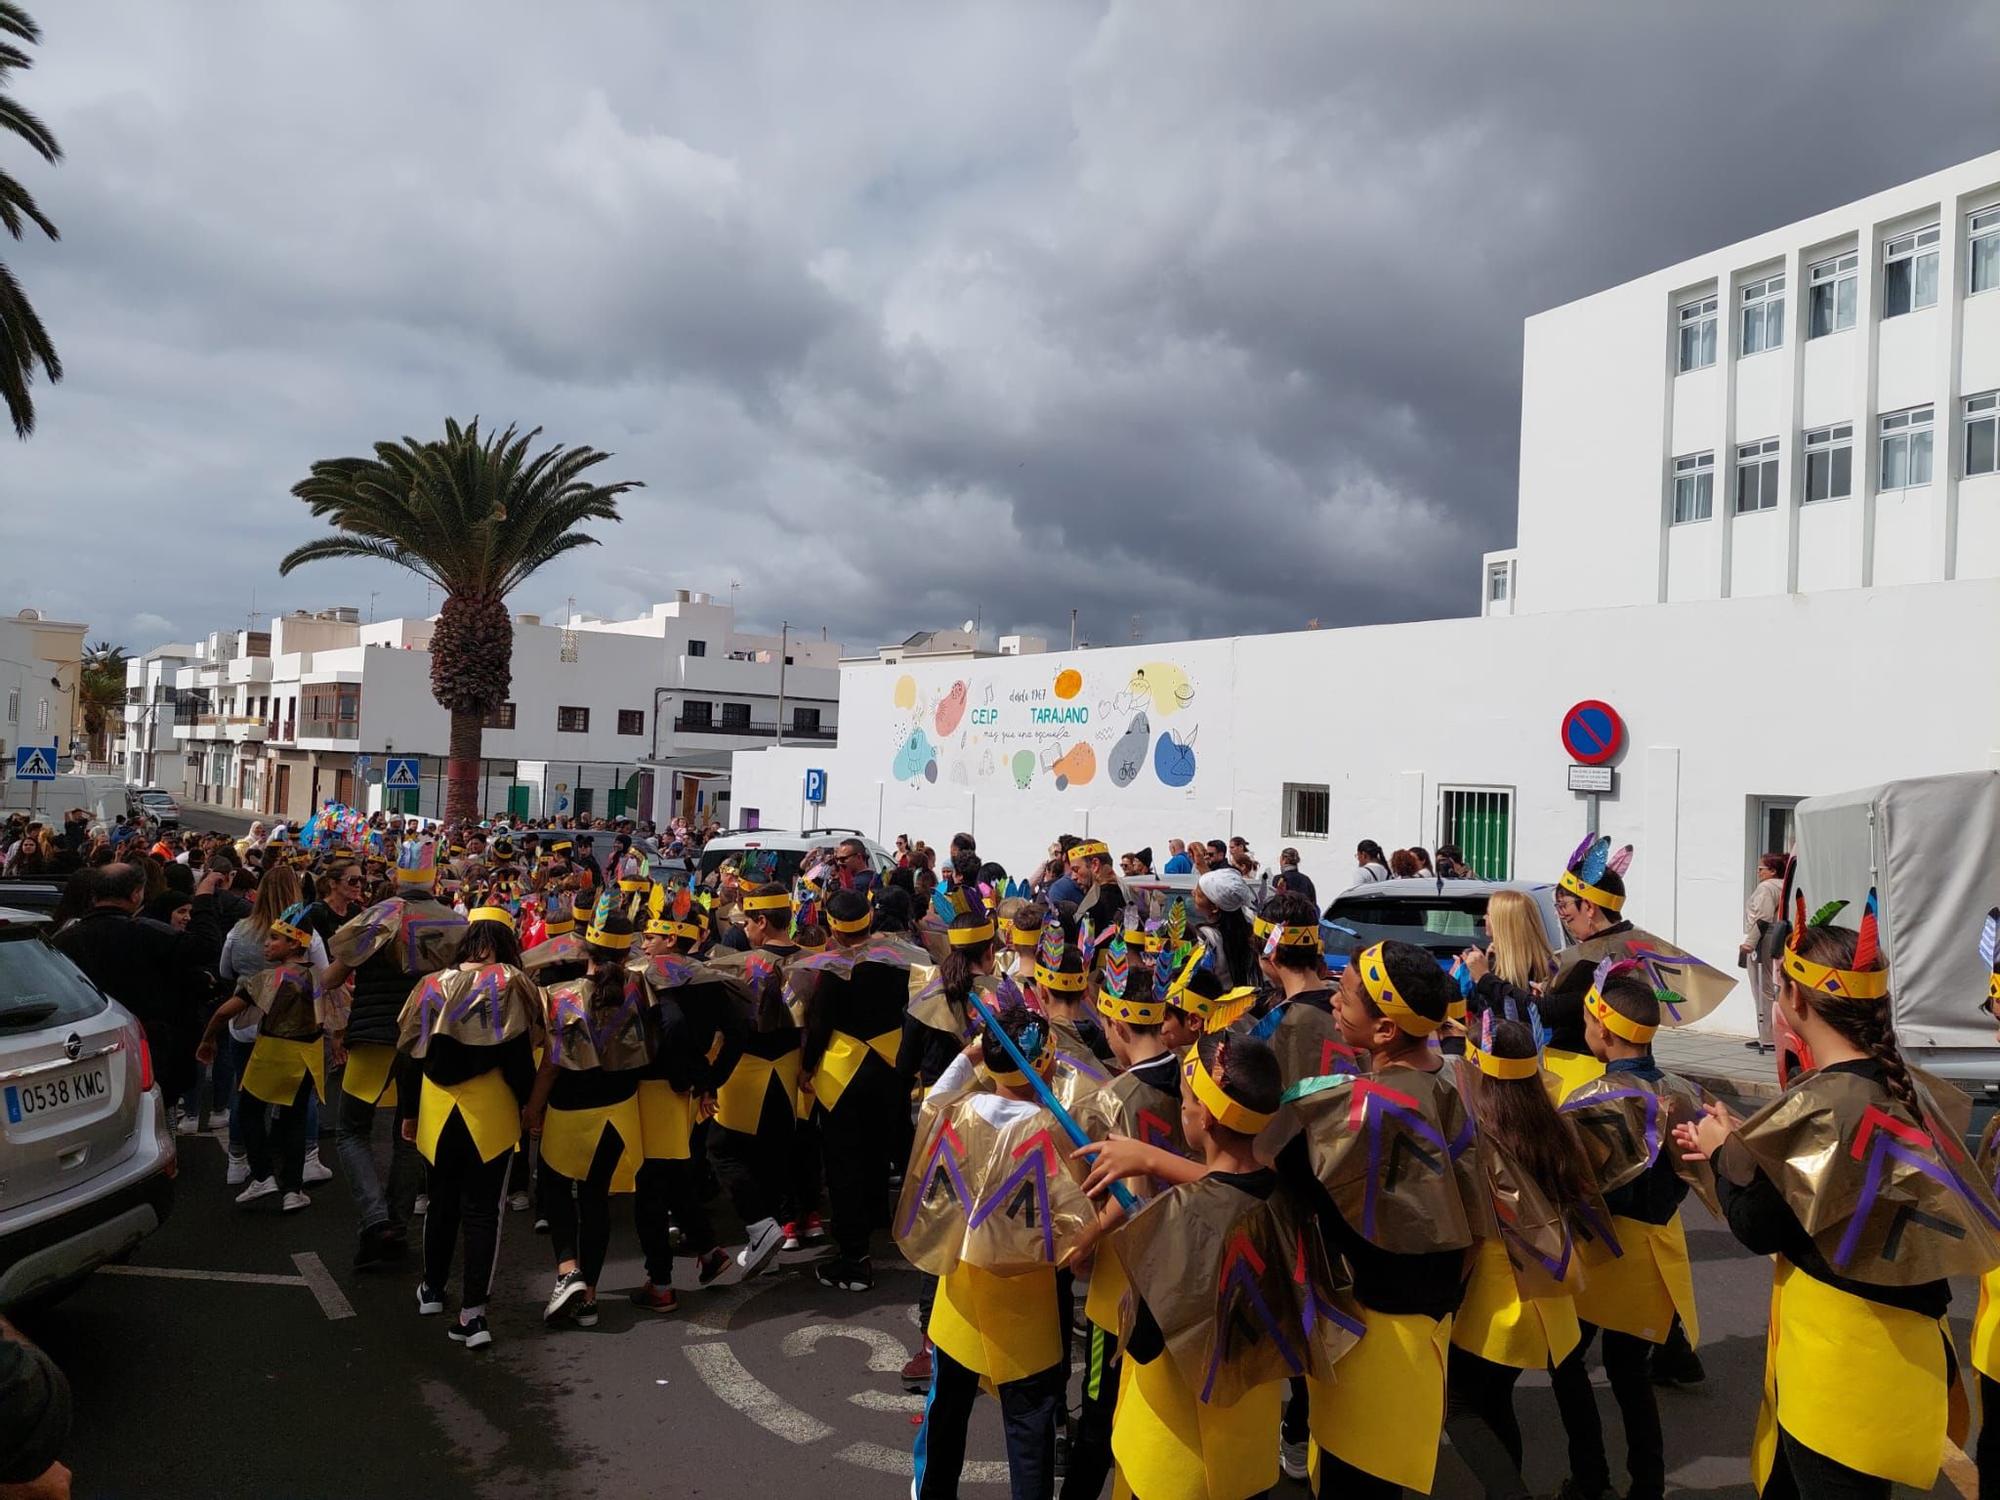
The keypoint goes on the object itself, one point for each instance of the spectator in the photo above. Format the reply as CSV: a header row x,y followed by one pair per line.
x,y
1451,863
1198,856
1402,865
852,867
1218,855
1292,878
1423,859
1178,862
1371,866
1766,901
963,843
1517,963
1066,886
902,851
1221,900
34,1420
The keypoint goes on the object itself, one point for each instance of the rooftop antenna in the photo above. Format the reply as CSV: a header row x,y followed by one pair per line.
x,y
1072,630
569,632
371,605
1135,627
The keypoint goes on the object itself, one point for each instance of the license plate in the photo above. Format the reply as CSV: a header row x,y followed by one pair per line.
x,y
87,1085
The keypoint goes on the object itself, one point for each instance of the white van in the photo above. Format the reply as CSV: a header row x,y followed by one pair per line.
x,y
105,798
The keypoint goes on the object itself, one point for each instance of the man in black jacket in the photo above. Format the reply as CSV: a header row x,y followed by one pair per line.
x,y
160,975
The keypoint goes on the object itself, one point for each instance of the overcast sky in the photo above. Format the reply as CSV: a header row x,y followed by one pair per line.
x,y
1208,314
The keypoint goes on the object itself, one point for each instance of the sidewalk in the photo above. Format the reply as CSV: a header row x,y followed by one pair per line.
x,y
1718,1062
205,815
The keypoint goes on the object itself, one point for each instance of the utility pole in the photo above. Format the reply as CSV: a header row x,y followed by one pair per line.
x,y
784,650
1072,630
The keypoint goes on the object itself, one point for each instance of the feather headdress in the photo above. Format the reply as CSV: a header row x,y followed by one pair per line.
x,y
1865,978
1587,867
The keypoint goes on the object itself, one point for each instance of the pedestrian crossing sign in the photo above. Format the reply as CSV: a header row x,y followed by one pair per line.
x,y
34,763
400,774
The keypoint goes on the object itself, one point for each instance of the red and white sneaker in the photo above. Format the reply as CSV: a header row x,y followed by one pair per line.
x,y
791,1240
814,1230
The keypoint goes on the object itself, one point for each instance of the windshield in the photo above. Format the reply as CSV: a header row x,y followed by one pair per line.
x,y
1443,924
151,797
39,987
755,866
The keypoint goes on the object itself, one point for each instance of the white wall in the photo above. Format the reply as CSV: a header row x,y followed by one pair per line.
x,y
1360,711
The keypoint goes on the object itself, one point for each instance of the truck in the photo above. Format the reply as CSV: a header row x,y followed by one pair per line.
x,y
105,798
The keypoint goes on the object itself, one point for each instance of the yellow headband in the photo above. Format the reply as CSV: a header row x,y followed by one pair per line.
x,y
1512,1069
967,937
767,903
1851,984
1013,1077
1295,936
297,934
631,887
857,924
1993,986
1259,928
1093,849
1134,1012
1061,983
598,939
1573,883
1179,986
558,926
1228,1113
1382,990
1616,1024
498,914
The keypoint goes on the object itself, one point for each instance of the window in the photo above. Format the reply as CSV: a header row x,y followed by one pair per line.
x,y
631,721
1982,434
42,715
1694,487
583,796
1479,819
1306,810
1830,307
572,721
1763,315
1496,583
1983,253
501,716
697,713
1909,272
735,716
1906,448
805,721
1830,462
697,648
1757,476
1698,335
13,705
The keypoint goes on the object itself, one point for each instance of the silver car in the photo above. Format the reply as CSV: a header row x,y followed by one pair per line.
x,y
86,1160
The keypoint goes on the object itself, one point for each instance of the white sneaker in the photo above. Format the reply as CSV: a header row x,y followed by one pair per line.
x,y
296,1201
185,1123
1293,1458
317,1170
422,1205
518,1202
429,1303
261,1187
763,1247
238,1171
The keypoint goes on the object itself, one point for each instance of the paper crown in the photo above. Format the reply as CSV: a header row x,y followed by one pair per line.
x,y
1228,1113
1033,1042
292,924
1296,935
1507,1069
963,901
1090,849
416,862
498,914
1989,954
1587,866
600,918
1861,982
1375,979
1595,1003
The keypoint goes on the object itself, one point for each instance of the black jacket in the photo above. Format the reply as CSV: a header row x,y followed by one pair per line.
x,y
162,976
381,986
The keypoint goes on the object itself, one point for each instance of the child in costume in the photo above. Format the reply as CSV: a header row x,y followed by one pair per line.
x,y
468,1037
1854,1181
585,1109
1299,1025
987,1208
287,1064
1986,1323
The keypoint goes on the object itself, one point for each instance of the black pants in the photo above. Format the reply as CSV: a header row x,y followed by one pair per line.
x,y
1485,1432
465,1193
1626,1364
579,1211
1340,1480
857,1135
354,1139
1090,1438
1027,1412
669,1193
1986,1451
1800,1472
278,1132
756,1168
803,1174
1296,1424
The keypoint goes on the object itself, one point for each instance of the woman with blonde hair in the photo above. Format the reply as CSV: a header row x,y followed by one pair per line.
x,y
1518,962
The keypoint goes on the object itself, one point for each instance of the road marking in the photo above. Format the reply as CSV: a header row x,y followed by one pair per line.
x,y
898,1461
724,1374
895,1401
313,1276
886,1353
319,1281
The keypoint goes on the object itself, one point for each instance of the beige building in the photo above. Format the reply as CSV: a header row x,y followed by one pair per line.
x,y
40,662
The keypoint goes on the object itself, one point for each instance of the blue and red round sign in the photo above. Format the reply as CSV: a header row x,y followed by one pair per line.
x,y
1592,732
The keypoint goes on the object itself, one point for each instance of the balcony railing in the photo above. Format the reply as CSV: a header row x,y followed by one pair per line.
x,y
767,730
329,729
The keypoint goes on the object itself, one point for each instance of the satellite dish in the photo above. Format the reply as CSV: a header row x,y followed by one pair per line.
x,y
970,626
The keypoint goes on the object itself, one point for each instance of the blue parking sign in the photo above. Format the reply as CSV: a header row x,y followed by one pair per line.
x,y
816,787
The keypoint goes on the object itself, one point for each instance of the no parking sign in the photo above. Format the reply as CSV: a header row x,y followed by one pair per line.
x,y
1592,732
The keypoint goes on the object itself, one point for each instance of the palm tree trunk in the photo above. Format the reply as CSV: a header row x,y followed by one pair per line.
x,y
461,786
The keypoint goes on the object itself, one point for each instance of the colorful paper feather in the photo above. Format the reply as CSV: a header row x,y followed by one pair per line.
x,y
1989,939
1621,861
1049,950
1827,913
1868,942
1595,862
1117,966
1576,855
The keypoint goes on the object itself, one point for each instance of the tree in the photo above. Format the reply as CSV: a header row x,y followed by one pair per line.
x,y
476,517
101,694
24,343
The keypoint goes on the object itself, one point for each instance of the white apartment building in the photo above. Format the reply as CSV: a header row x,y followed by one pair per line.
x,y
150,754
606,717
1824,518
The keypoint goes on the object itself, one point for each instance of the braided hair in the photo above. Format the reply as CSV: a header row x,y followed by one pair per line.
x,y
958,966
1865,1023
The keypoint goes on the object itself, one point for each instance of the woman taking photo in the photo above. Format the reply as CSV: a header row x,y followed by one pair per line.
x,y
1223,901
1518,961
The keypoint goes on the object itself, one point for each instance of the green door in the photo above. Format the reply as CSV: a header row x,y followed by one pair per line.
x,y
517,802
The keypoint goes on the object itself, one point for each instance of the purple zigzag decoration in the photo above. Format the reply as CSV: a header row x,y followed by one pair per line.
x,y
1242,1282
1653,1139
1882,1148
1377,1106
1036,1166
945,1138
489,989
1653,962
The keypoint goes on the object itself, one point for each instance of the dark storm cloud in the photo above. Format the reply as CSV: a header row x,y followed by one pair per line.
x,y
1205,315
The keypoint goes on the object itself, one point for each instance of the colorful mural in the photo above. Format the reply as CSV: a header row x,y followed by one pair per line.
x,y
990,729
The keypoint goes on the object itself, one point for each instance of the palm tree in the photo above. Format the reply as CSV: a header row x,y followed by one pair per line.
x,y
24,343
100,694
475,517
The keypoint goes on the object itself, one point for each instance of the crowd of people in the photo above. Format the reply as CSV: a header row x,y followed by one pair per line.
x,y
1307,1211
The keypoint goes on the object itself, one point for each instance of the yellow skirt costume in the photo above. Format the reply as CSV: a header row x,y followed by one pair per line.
x,y
570,1138
277,1067
1169,1446
1001,1327
1498,1324
370,1074
1640,1291
666,1120
1384,1410
1864,1384
739,1103
491,1113
1986,1329
843,1058
1572,1070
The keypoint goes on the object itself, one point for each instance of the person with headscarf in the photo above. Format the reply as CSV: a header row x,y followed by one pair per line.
x,y
1223,902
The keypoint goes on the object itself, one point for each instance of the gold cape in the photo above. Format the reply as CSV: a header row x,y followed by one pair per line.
x,y
1307,1042
1392,1149
1241,1287
1128,1106
481,1007
563,948
1079,1072
613,1038
1889,1196
930,1006
286,1003
1688,988
1626,1122
996,1199
425,935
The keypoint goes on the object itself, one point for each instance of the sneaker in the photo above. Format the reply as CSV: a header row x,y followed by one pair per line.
x,y
238,1171
296,1201
792,1241
186,1122
845,1275
570,1285
659,1299
541,1225
1675,1364
813,1230
260,1187
429,1303
763,1247
917,1373
471,1332
585,1316
377,1246
517,1202
711,1265
316,1170
422,1205
1062,1451
1294,1458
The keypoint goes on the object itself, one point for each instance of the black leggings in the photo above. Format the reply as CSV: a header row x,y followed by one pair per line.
x,y
277,1130
756,1169
1986,1452
1340,1480
857,1136
579,1212
1485,1432
467,1192
1799,1472
1090,1439
1627,1361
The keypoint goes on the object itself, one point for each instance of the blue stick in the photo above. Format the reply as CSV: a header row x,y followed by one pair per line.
x,y
1127,1200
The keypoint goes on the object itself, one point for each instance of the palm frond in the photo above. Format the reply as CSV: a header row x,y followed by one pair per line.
x,y
328,547
24,343
17,119
17,209
15,21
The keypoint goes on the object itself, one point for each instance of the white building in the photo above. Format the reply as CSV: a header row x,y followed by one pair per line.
x,y
1826,635
150,754
605,717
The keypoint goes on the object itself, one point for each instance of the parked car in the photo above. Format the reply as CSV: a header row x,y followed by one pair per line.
x,y
1443,917
162,806
87,1163
774,853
